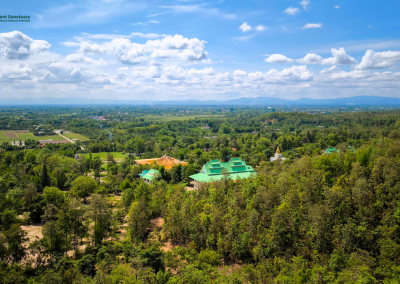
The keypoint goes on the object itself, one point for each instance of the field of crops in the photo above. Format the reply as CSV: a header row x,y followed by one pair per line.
x,y
10,135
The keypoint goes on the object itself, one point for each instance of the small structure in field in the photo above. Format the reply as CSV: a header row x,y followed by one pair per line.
x,y
19,143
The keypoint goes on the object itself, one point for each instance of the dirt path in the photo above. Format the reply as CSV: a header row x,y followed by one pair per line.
x,y
73,142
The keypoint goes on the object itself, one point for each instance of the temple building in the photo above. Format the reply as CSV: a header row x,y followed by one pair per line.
x,y
216,170
278,156
150,175
166,161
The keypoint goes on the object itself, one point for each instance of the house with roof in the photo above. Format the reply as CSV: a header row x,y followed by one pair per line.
x,y
215,170
150,175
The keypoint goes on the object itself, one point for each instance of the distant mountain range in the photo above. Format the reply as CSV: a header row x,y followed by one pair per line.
x,y
259,101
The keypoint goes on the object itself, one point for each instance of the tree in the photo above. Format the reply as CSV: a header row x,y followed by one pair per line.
x,y
60,178
50,230
16,237
8,217
29,193
96,165
54,196
100,213
140,146
44,177
83,186
139,219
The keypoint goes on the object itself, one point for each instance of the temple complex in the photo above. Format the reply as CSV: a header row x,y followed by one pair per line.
x,y
216,171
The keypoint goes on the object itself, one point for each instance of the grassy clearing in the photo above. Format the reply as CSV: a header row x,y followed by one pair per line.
x,y
71,135
26,136
118,156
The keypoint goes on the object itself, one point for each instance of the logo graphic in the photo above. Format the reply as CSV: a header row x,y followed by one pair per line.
x,y
15,18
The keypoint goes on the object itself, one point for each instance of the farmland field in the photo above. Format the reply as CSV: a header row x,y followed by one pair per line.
x,y
71,135
10,135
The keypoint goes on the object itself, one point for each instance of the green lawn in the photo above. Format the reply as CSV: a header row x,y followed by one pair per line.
x,y
103,155
71,135
25,136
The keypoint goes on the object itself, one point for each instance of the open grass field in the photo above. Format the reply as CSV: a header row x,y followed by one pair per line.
x,y
118,156
71,135
10,135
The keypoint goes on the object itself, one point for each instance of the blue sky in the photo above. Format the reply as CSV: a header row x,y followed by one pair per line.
x,y
161,50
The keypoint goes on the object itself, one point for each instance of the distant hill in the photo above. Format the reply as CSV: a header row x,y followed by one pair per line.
x,y
259,101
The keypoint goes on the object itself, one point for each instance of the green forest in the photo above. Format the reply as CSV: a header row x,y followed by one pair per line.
x,y
80,213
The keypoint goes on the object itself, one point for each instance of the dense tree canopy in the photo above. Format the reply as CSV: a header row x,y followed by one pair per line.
x,y
316,218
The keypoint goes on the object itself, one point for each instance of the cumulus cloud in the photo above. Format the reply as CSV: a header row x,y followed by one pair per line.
x,y
288,75
376,60
305,3
339,57
81,58
260,28
291,11
278,58
245,27
312,26
337,7
333,69
239,73
310,58
127,52
16,45
155,71
178,47
92,47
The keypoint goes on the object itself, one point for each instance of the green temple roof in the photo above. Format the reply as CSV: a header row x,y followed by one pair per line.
x,y
214,170
150,175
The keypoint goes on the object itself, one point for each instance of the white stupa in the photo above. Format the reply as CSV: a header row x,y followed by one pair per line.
x,y
278,156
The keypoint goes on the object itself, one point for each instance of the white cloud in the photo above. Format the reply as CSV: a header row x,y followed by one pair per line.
x,y
92,47
340,57
83,75
278,58
312,26
149,35
305,3
74,58
239,73
260,28
329,70
127,52
16,45
375,60
178,47
337,7
288,75
71,43
230,16
310,58
139,24
291,11
245,27
154,22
